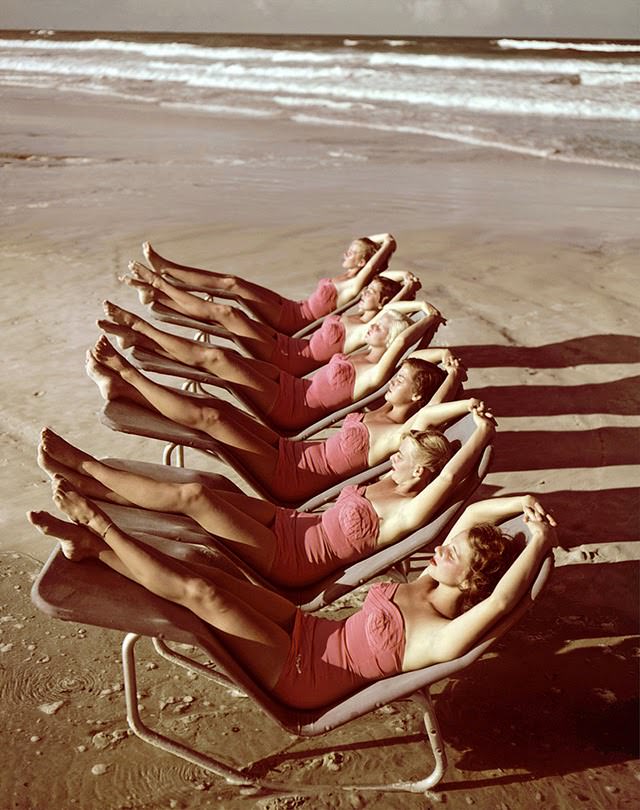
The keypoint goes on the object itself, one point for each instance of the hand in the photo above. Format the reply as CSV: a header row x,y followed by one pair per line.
x,y
411,283
542,526
483,417
476,403
454,367
433,312
534,511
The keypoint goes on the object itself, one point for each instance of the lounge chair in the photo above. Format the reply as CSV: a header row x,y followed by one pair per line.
x,y
99,596
130,418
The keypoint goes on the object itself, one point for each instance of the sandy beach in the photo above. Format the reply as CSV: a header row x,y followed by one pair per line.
x,y
535,265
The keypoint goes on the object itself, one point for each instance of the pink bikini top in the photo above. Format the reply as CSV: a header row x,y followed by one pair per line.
x,y
328,339
321,301
350,528
374,637
347,451
296,314
332,385
299,356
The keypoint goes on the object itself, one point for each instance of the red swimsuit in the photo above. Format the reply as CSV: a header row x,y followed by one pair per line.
x,y
300,402
299,356
329,659
296,314
305,468
310,545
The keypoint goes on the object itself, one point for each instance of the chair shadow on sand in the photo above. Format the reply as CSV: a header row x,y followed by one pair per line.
x,y
619,397
530,706
574,352
604,515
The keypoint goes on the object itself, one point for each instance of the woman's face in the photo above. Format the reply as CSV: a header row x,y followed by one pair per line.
x,y
403,463
451,562
400,390
370,298
352,257
378,333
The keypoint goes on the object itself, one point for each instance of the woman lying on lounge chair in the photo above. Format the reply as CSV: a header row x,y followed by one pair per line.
x,y
365,257
288,547
292,470
297,355
308,661
288,402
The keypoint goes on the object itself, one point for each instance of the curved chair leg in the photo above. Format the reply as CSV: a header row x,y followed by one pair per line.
x,y
235,776
136,724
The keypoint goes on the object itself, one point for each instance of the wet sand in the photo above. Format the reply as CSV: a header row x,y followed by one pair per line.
x,y
535,265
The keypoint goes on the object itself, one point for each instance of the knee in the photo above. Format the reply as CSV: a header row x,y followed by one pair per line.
x,y
226,312
191,497
214,356
199,595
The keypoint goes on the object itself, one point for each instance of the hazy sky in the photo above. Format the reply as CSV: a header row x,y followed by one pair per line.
x,y
541,18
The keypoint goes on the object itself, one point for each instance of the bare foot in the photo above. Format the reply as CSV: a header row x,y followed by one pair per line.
x,y
125,334
77,507
109,383
146,293
52,467
61,450
119,315
158,263
77,542
142,273
107,356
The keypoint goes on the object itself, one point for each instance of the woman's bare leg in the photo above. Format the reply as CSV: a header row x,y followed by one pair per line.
x,y
231,318
192,352
228,365
243,526
251,618
254,443
217,282
110,384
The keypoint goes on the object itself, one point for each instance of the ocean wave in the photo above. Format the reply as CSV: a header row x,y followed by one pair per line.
x,y
473,140
551,45
309,59
170,49
484,64
469,97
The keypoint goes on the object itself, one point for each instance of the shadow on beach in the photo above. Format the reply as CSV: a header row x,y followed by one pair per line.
x,y
574,352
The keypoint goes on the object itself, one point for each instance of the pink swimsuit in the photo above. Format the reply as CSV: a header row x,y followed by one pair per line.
x,y
305,468
329,659
310,545
301,401
296,314
299,356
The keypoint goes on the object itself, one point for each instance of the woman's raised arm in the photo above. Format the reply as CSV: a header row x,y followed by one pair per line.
x,y
348,286
425,503
495,510
461,633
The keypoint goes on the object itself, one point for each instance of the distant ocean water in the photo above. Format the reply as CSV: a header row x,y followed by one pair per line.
x,y
571,101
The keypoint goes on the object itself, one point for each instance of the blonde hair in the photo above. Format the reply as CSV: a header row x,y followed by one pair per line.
x,y
431,449
366,247
396,323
